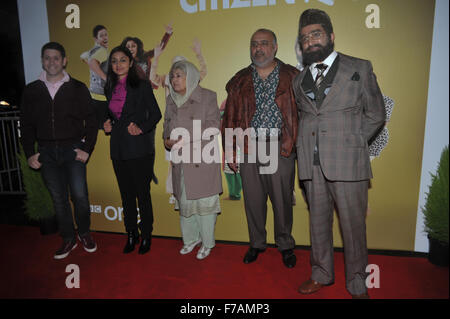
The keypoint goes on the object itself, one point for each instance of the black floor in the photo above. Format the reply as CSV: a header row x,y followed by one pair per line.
x,y
12,212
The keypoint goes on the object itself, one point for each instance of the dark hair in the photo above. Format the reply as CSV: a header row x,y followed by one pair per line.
x,y
97,29
315,16
54,46
111,78
140,47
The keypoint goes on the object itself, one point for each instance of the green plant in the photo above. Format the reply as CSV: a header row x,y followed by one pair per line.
x,y
38,203
436,210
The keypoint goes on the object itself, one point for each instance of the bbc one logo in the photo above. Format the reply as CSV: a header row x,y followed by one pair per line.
x,y
111,213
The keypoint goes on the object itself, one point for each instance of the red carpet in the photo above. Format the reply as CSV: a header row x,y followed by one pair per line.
x,y
29,271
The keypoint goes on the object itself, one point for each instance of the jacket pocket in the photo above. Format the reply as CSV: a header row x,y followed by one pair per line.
x,y
355,140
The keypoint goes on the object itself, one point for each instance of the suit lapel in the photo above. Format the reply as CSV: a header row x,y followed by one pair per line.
x,y
302,94
343,75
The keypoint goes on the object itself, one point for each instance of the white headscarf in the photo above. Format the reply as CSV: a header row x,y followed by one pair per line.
x,y
192,80
174,60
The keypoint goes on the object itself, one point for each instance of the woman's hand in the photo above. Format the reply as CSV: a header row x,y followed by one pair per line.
x,y
133,129
107,126
168,143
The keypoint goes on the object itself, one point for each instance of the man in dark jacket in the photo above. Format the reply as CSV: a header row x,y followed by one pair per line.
x,y
260,98
57,113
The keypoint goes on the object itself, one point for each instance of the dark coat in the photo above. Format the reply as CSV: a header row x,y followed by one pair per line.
x,y
142,109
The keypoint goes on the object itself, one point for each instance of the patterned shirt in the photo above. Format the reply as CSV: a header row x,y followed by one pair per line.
x,y
267,116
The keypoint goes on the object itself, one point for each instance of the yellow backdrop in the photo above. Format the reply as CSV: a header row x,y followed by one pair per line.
x,y
399,49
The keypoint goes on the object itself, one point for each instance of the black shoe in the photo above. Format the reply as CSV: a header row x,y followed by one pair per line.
x,y
132,240
145,245
252,255
88,242
65,249
289,258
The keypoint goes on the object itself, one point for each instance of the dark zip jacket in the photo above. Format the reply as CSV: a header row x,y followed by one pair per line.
x,y
66,120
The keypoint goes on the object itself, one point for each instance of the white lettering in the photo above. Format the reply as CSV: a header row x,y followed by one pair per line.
x,y
182,135
73,280
200,5
197,141
240,4
211,152
259,3
73,19
373,19
107,209
117,213
271,159
189,8
373,280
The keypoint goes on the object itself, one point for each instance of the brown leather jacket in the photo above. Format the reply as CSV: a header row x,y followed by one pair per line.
x,y
241,106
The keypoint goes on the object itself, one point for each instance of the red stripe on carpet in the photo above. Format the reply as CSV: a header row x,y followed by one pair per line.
x,y
29,271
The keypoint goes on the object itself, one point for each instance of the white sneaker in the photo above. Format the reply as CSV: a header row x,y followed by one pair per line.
x,y
203,252
188,248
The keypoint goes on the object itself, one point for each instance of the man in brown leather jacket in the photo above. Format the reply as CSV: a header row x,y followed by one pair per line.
x,y
260,99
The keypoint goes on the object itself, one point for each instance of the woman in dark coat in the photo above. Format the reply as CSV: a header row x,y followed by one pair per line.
x,y
133,114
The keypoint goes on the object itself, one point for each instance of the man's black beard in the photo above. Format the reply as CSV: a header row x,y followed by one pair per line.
x,y
318,55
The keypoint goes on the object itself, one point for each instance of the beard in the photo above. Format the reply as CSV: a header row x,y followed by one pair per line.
x,y
262,62
310,57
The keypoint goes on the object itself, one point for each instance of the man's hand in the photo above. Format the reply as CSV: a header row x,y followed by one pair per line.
x,y
82,156
107,127
133,129
33,161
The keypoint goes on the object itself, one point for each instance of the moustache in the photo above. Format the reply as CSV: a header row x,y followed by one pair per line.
x,y
315,46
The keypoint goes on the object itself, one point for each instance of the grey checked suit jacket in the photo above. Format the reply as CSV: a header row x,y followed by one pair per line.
x,y
350,115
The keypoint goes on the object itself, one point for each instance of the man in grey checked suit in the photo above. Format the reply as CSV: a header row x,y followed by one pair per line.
x,y
340,110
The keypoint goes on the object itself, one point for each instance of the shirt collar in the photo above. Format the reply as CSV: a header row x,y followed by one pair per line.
x,y
328,61
123,81
274,72
43,78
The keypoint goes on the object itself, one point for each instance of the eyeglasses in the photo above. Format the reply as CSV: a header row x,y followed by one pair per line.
x,y
314,35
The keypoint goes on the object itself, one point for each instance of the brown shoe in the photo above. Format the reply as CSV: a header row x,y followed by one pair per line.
x,y
310,286
361,296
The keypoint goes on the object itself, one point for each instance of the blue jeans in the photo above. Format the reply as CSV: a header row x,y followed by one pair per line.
x,y
63,175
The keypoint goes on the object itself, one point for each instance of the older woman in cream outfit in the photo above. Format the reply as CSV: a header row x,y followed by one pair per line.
x,y
196,184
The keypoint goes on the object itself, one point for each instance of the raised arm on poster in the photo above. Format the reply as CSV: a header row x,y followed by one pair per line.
x,y
144,58
163,80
